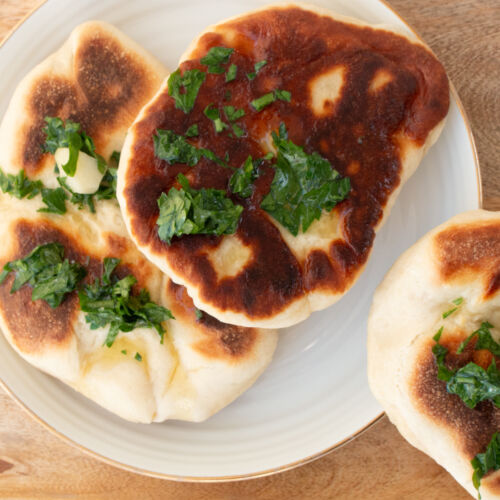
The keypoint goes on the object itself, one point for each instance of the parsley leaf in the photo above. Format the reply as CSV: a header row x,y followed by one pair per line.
x,y
184,89
110,301
231,73
257,67
19,185
471,383
241,181
233,113
46,272
482,463
55,199
192,131
191,211
261,102
198,314
138,357
484,340
215,57
457,302
174,148
303,185
213,114
67,134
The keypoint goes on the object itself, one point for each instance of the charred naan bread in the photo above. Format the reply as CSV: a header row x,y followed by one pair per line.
x,y
201,366
369,100
453,271
100,79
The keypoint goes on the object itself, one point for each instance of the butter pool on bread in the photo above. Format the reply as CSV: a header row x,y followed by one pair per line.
x,y
368,100
100,79
447,284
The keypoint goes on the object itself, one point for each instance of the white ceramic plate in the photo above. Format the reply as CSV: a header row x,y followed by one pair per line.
x,y
315,395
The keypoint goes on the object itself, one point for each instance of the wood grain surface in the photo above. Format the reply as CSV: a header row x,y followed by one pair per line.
x,y
378,464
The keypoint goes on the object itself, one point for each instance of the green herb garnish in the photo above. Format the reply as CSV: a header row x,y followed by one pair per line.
x,y
184,89
67,134
19,185
233,113
257,67
213,114
124,351
138,357
482,463
237,130
303,185
484,340
55,199
241,181
45,270
215,57
191,211
231,73
261,102
192,131
457,302
110,301
471,383
198,314
174,148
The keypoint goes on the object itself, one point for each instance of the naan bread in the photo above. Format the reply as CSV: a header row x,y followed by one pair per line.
x,y
202,365
100,79
460,258
370,100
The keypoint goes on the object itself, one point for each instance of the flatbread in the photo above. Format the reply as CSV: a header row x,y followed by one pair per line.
x,y
460,258
202,365
100,79
370,100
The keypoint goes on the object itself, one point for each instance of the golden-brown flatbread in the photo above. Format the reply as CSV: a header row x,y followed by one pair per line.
x,y
370,100
201,366
460,259
100,79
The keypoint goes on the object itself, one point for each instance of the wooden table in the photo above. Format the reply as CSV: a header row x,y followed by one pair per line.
x,y
378,464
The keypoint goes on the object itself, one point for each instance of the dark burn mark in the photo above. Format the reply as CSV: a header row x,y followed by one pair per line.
x,y
34,325
104,95
473,428
219,340
471,250
299,46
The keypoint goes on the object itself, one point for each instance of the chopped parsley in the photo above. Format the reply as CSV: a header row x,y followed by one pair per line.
x,y
303,185
457,302
484,340
111,301
67,134
190,211
174,148
198,314
124,351
19,185
55,199
184,89
138,357
231,73
241,181
233,113
264,100
257,67
50,275
213,114
192,131
471,383
482,463
215,58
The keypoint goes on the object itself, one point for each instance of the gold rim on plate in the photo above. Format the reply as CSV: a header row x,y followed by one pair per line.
x,y
283,468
